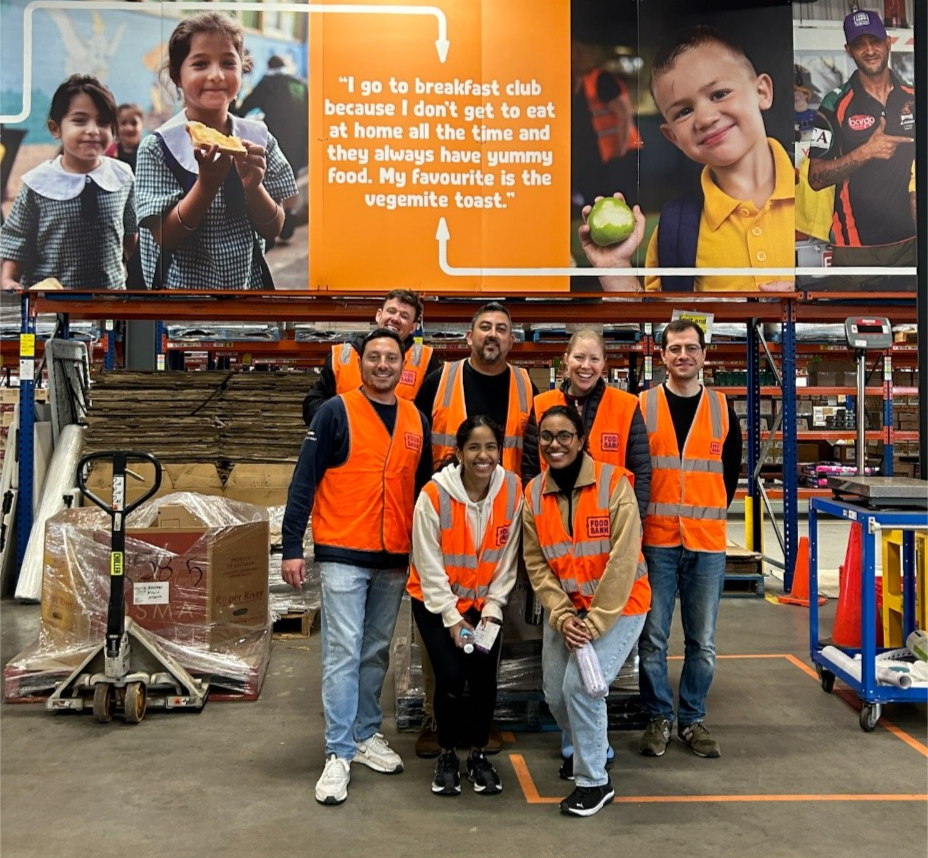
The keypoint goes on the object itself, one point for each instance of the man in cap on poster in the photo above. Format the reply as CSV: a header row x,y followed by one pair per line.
x,y
863,145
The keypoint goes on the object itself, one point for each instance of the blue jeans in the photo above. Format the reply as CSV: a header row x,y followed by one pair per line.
x,y
699,576
582,717
359,608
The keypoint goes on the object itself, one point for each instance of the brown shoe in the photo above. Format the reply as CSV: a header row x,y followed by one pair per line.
x,y
427,745
495,742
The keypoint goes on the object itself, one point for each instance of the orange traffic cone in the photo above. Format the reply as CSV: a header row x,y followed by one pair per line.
x,y
846,630
799,595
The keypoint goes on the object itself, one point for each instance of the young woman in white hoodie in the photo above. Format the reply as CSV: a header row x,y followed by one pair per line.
x,y
465,542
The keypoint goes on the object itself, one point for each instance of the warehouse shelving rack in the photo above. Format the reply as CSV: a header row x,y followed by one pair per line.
x,y
757,310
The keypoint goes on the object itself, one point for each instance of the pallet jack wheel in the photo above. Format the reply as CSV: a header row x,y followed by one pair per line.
x,y
135,702
869,715
827,678
103,703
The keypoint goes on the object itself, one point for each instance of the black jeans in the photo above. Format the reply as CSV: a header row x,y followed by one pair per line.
x,y
462,721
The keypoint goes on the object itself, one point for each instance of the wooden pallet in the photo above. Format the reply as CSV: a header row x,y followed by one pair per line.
x,y
293,626
743,585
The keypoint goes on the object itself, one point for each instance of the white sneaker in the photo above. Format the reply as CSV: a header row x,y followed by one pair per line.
x,y
332,787
376,754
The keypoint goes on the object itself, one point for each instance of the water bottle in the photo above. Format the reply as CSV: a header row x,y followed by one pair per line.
x,y
917,642
591,672
467,636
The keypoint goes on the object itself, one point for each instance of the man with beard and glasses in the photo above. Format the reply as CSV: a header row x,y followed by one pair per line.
x,y
365,458
400,312
863,144
483,383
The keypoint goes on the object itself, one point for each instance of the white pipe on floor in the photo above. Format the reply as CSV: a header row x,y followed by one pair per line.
x,y
851,666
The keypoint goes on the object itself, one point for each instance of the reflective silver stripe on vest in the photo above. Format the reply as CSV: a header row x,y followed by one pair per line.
x,y
521,388
672,463
416,352
512,442
605,481
491,556
453,370
536,491
345,356
705,513
511,494
715,413
557,550
445,518
642,569
440,439
464,561
468,593
650,410
587,588
592,548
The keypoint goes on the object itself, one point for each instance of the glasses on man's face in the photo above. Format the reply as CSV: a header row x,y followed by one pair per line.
x,y
689,348
563,438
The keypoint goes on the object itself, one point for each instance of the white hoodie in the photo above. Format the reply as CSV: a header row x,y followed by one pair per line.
x,y
427,554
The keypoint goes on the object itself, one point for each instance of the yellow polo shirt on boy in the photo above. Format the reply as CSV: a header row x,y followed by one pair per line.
x,y
735,234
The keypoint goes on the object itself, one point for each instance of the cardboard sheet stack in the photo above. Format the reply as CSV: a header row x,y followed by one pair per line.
x,y
197,578
216,417
283,599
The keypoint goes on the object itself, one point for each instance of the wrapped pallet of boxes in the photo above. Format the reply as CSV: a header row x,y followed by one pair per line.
x,y
196,576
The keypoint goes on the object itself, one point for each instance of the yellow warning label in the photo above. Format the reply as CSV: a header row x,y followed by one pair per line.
x,y
27,345
116,563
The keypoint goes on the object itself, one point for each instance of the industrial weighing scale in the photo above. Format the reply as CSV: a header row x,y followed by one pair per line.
x,y
874,333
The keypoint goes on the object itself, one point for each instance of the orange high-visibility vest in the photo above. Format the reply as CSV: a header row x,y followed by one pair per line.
x,y
606,123
469,571
450,411
366,503
689,504
346,366
580,560
612,424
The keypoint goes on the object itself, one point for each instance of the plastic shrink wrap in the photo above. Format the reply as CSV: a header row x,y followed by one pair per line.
x,y
196,577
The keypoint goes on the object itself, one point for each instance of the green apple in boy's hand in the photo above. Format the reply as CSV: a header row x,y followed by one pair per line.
x,y
610,221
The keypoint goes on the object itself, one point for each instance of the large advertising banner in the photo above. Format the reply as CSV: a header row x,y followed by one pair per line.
x,y
855,144
440,147
459,146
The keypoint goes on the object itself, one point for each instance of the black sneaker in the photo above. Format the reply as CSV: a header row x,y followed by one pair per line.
x,y
566,771
447,779
482,775
587,801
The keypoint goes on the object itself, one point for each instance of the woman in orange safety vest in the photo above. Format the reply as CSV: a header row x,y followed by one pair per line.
x,y
582,547
463,566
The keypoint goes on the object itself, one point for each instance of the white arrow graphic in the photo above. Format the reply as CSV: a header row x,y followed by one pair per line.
x,y
441,43
443,235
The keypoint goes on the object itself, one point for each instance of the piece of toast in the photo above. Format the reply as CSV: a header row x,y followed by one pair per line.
x,y
203,135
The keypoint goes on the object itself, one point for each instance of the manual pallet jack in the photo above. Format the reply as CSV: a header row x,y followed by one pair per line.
x,y
116,675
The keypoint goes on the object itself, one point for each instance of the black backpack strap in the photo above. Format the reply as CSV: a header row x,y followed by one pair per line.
x,y
235,200
678,238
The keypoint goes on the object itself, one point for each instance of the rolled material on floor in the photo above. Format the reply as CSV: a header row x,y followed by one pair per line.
x,y
851,666
59,480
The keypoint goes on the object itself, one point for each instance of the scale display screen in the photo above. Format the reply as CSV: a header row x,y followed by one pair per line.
x,y
874,332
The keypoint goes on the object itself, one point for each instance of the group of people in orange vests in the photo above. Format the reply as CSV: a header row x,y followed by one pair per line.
x,y
441,481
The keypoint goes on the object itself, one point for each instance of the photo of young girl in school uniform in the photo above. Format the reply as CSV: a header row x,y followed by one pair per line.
x,y
205,215
74,219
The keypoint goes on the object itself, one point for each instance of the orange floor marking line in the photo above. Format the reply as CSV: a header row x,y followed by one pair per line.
x,y
508,736
529,790
802,666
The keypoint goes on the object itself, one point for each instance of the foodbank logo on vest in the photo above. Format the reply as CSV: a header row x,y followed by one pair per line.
x,y
408,377
609,441
715,448
502,534
597,525
412,441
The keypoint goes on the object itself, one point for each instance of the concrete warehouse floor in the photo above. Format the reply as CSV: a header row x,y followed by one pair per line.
x,y
798,777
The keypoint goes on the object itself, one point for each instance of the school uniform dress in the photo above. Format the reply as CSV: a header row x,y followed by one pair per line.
x,y
224,251
71,226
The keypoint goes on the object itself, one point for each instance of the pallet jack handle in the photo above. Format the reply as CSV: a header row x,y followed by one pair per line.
x,y
118,510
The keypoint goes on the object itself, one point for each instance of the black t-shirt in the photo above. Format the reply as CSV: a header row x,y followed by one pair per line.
x,y
682,412
484,394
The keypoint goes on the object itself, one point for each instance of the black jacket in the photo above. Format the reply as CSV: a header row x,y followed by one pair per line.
x,y
637,448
